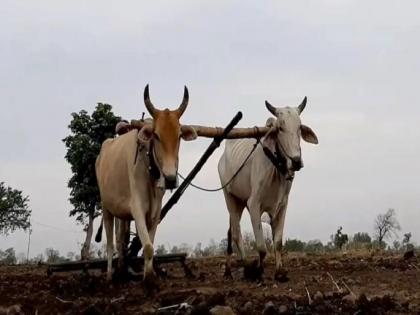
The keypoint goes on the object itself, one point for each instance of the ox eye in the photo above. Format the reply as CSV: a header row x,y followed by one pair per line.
x,y
156,135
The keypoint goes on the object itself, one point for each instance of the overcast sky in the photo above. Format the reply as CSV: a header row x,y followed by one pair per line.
x,y
357,61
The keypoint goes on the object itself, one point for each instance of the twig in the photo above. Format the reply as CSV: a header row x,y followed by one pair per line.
x,y
114,300
333,281
347,287
309,296
63,301
413,265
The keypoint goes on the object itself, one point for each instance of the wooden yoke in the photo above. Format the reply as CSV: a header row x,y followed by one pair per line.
x,y
212,132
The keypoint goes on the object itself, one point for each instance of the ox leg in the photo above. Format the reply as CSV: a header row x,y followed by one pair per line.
x,y
154,218
277,226
122,227
149,276
235,207
109,231
255,213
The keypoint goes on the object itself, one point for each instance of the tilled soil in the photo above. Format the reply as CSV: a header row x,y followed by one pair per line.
x,y
323,284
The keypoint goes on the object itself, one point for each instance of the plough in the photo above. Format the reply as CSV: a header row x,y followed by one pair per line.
x,y
133,262
218,134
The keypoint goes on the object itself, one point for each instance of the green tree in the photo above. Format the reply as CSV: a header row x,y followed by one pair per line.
x,y
314,246
175,250
14,212
8,257
362,238
161,250
198,252
294,245
53,255
87,133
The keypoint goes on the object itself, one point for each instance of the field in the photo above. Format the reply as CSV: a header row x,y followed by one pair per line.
x,y
319,284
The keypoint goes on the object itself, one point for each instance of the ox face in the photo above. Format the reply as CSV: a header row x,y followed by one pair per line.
x,y
166,133
287,131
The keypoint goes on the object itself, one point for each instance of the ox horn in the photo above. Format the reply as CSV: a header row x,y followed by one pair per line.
x,y
302,105
181,109
149,105
271,108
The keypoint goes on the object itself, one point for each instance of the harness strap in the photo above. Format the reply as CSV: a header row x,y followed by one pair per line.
x,y
277,159
153,168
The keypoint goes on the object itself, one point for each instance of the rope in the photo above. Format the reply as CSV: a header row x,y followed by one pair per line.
x,y
231,179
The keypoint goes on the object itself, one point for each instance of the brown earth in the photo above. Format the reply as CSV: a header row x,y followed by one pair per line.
x,y
364,284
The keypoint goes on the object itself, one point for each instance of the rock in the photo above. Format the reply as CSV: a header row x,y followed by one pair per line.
x,y
222,310
12,310
283,309
270,309
329,295
318,297
247,308
349,299
148,309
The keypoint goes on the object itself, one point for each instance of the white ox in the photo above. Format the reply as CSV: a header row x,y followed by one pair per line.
x,y
261,186
133,171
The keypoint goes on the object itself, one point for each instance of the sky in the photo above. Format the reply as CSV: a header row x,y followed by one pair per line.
x,y
356,61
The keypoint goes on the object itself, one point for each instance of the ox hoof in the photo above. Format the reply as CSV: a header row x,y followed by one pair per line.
x,y
281,275
228,274
253,271
150,283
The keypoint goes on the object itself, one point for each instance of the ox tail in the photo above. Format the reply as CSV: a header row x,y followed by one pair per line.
x,y
229,241
98,236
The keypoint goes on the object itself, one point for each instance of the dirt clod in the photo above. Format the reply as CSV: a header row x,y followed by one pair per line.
x,y
283,309
270,309
349,299
222,310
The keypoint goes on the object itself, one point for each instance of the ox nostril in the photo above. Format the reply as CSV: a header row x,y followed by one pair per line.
x,y
297,163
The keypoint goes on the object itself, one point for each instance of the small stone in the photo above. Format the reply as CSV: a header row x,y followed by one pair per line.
x,y
283,309
247,309
148,309
349,299
318,297
12,310
222,310
270,309
329,295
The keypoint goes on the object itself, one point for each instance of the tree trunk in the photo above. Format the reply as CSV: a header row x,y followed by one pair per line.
x,y
84,255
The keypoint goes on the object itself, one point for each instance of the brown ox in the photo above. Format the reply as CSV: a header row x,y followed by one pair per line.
x,y
133,171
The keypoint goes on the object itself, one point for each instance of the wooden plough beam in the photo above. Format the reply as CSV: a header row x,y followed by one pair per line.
x,y
215,132
134,262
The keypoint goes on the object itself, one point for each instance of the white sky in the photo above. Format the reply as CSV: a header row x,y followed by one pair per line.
x,y
357,61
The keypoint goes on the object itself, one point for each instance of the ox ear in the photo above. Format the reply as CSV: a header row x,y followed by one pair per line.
x,y
145,133
308,135
188,133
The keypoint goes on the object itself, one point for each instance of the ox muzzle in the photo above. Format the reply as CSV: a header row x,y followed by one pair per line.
x,y
170,181
296,163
